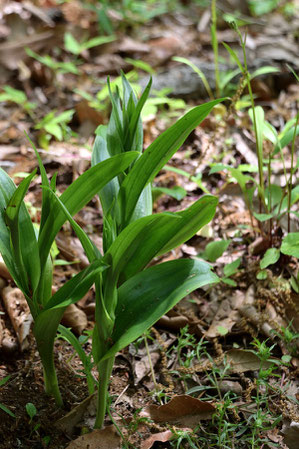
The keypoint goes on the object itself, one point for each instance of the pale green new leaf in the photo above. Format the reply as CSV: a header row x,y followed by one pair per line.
x,y
144,298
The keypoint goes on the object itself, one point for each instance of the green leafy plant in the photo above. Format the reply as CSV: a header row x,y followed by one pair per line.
x,y
19,97
26,250
2,406
53,125
58,67
75,47
213,251
130,297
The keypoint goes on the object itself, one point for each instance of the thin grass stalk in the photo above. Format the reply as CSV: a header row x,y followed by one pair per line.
x,y
215,46
290,183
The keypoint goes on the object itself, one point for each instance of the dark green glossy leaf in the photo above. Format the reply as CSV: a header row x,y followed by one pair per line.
x,y
75,288
156,156
144,298
154,235
23,238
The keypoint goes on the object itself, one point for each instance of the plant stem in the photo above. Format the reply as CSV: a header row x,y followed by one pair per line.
x,y
50,376
105,369
215,46
290,183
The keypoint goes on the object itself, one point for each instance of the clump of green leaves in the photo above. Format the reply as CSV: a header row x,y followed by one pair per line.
x,y
19,97
53,125
129,297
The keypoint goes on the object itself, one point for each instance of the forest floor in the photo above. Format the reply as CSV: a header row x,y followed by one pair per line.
x,y
220,370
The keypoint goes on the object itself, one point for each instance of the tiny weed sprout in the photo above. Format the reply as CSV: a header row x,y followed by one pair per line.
x,y
26,251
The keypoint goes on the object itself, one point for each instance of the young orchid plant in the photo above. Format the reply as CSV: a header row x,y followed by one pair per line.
x,y
130,297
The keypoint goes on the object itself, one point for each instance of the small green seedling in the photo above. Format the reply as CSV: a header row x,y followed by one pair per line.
x,y
56,66
53,125
75,47
31,411
18,97
213,251
2,406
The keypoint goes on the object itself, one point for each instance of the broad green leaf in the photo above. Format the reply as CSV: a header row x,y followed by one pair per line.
x,y
232,268
95,41
71,44
262,275
271,256
154,235
90,249
229,282
264,71
285,139
7,188
262,217
109,192
30,409
199,72
214,250
55,130
176,192
227,77
156,156
234,56
257,116
7,410
23,238
46,204
144,298
76,287
290,244
79,193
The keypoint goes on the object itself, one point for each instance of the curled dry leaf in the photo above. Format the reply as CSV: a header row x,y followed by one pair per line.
x,y
68,422
19,314
161,436
183,410
106,438
75,318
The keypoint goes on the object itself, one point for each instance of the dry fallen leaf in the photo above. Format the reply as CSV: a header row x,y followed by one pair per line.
x,y
161,436
291,434
19,314
69,421
241,361
183,409
75,318
106,438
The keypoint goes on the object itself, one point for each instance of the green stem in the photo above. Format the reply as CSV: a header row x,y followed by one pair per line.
x,y
50,376
105,369
215,46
